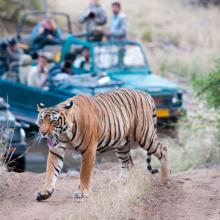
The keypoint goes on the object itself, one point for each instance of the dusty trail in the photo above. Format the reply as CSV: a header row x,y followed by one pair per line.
x,y
193,195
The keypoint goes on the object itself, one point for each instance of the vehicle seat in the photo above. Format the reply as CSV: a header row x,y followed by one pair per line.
x,y
3,64
11,73
24,68
50,59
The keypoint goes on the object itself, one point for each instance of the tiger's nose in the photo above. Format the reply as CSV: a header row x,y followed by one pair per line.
x,y
43,133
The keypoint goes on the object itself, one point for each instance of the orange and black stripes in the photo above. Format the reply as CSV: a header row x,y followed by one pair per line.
x,y
126,115
109,121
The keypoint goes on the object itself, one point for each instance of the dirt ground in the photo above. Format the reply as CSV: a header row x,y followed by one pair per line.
x,y
193,195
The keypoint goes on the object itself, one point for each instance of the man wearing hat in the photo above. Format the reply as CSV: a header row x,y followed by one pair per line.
x,y
14,51
44,33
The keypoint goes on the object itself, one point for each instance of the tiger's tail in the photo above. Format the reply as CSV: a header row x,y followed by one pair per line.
x,y
149,167
148,158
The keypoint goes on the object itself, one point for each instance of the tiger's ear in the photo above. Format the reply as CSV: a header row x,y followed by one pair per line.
x,y
68,105
40,106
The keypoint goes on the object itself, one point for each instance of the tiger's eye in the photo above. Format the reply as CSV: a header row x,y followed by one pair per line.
x,y
54,123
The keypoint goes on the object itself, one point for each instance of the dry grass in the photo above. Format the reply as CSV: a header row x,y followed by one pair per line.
x,y
197,142
185,39
3,145
6,151
113,200
3,180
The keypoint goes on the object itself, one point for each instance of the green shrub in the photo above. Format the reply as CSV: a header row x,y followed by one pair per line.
x,y
147,36
208,86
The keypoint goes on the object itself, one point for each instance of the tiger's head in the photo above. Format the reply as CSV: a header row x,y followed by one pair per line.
x,y
54,124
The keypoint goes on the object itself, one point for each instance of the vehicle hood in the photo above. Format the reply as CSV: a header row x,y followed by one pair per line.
x,y
149,82
86,83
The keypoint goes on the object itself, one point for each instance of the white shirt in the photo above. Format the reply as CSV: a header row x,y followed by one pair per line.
x,y
80,62
37,78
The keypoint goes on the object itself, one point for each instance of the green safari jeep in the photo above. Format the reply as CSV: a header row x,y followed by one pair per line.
x,y
110,65
126,62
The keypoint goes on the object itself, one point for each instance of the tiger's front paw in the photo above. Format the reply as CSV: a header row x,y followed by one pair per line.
x,y
80,194
44,194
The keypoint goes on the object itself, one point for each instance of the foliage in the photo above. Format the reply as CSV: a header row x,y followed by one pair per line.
x,y
147,36
196,152
209,86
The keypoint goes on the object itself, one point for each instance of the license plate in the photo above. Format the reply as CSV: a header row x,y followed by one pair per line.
x,y
163,113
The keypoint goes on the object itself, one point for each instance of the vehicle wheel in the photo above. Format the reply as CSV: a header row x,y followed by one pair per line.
x,y
17,165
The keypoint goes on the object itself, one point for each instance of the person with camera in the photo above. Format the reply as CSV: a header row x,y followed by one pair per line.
x,y
14,51
93,18
45,33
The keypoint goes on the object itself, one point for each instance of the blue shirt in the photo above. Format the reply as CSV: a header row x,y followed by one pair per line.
x,y
118,27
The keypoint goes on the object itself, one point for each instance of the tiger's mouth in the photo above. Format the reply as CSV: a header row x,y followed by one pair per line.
x,y
52,141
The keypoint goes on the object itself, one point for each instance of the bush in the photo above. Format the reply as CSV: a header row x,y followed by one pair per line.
x,y
147,36
209,86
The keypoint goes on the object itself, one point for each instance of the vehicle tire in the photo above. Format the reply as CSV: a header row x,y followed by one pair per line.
x,y
17,165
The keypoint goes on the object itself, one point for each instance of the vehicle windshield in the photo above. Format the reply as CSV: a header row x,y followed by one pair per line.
x,y
119,56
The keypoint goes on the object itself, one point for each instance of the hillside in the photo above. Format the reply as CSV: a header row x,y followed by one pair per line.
x,y
179,38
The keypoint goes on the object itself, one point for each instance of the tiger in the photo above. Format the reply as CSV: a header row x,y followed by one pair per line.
x,y
90,124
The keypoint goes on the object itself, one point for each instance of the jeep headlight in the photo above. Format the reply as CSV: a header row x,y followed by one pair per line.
x,y
23,135
177,98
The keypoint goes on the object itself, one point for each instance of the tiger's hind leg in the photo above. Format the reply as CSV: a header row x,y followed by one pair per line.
x,y
160,151
165,169
154,147
123,154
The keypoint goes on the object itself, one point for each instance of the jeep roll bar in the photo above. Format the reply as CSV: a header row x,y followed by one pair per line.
x,y
43,14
